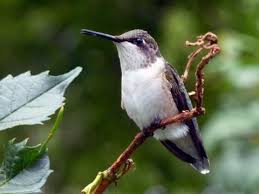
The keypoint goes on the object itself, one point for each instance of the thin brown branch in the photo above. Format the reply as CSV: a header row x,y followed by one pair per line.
x,y
123,163
214,49
191,57
139,139
207,41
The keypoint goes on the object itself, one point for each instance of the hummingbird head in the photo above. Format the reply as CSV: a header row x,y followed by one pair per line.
x,y
136,48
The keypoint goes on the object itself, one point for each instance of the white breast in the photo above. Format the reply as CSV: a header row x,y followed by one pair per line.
x,y
144,95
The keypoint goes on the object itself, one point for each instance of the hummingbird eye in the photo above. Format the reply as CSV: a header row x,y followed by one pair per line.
x,y
138,41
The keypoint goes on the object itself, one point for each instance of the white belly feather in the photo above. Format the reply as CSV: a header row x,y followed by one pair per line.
x,y
146,96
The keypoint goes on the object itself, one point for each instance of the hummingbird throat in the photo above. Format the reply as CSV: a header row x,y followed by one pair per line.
x,y
133,57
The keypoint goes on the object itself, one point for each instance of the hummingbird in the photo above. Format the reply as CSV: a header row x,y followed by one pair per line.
x,y
152,90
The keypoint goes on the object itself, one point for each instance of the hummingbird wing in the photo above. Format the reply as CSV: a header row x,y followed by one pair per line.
x,y
188,148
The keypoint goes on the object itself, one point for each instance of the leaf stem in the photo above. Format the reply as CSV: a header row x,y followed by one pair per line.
x,y
53,129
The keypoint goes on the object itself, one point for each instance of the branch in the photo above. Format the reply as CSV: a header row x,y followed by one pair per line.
x,y
207,41
118,168
123,163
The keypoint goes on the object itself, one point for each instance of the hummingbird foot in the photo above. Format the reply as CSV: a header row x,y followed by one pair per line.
x,y
148,131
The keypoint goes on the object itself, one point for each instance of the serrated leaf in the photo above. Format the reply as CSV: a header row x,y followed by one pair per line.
x,y
25,169
30,99
17,157
30,179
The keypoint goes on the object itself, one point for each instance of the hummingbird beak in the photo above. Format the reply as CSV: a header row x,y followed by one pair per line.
x,y
100,34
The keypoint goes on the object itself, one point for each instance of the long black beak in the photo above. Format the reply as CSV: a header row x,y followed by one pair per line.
x,y
100,34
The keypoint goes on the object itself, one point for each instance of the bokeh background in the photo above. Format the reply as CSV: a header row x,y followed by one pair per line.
x,y
44,35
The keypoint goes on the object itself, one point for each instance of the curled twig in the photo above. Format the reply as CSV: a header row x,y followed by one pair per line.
x,y
123,164
205,42
190,60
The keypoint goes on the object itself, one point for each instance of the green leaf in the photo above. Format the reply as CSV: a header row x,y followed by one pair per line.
x,y
30,179
30,99
17,157
25,169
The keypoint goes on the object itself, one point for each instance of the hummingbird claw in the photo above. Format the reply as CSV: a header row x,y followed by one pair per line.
x,y
154,125
146,132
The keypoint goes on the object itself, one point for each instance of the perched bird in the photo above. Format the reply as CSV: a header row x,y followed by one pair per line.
x,y
151,90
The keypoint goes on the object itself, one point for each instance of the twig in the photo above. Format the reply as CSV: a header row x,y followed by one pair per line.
x,y
192,93
188,65
205,42
214,49
123,164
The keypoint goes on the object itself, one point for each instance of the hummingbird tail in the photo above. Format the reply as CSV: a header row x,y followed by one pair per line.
x,y
202,166
184,149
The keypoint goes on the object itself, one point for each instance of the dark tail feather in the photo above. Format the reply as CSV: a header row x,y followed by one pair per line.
x,y
186,151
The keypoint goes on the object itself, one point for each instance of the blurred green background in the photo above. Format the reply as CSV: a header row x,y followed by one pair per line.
x,y
44,35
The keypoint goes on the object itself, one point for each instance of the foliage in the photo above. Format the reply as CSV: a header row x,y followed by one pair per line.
x,y
25,169
28,100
